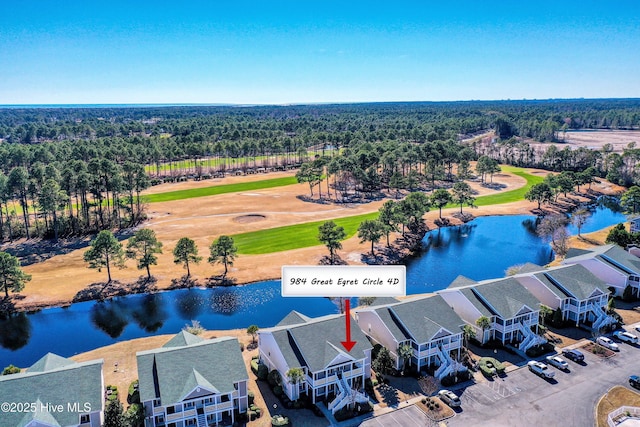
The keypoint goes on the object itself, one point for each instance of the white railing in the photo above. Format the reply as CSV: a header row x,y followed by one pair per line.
x,y
621,414
531,339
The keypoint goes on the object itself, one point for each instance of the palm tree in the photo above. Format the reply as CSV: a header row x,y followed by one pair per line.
x,y
468,333
405,351
483,323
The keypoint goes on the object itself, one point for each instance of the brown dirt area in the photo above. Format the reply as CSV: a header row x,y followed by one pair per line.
x,y
616,397
57,279
593,139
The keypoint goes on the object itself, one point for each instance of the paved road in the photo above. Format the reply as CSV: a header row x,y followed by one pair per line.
x,y
524,399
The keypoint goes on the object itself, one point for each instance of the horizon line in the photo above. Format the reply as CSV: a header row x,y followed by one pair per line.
x,y
290,104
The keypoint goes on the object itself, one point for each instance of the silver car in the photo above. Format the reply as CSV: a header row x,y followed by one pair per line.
x,y
449,397
558,362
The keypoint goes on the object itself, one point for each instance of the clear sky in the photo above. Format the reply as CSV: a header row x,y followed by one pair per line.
x,y
266,52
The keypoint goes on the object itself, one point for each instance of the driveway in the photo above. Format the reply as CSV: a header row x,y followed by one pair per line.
x,y
524,399
411,416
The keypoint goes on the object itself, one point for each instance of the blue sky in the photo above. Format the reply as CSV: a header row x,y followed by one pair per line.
x,y
267,52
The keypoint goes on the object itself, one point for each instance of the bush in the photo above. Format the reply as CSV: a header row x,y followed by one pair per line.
x,y
251,397
252,415
10,370
490,366
241,346
134,394
539,350
263,372
254,366
279,420
274,378
277,390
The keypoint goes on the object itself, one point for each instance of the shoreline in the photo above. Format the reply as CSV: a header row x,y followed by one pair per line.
x,y
128,288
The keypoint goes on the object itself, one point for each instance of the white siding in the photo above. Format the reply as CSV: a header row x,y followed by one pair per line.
x,y
540,291
461,305
270,353
371,324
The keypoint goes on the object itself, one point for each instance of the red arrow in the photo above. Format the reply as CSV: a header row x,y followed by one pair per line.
x,y
348,344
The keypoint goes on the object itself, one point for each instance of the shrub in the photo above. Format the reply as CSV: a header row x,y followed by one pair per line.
x,y
279,420
540,350
252,415
134,394
263,372
251,397
10,370
487,363
254,366
274,378
277,390
241,346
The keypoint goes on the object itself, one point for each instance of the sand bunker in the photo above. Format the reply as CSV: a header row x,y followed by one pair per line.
x,y
244,219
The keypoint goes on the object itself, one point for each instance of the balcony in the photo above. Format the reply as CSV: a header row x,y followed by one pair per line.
x,y
180,415
212,408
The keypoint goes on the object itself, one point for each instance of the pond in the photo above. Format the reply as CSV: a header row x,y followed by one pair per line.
x,y
481,249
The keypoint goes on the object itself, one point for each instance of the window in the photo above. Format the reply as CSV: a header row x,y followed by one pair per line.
x,y
225,398
156,403
160,419
84,419
171,410
189,405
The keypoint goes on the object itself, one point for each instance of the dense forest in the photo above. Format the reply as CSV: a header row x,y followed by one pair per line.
x,y
67,171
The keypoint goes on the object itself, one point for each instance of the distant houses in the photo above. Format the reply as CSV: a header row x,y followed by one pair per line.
x,y
192,382
612,264
331,373
428,325
60,392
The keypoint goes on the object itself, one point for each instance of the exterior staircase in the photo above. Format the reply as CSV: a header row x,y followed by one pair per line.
x,y
531,339
202,420
447,365
602,318
346,396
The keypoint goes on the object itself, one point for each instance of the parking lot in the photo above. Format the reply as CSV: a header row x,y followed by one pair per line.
x,y
410,416
524,399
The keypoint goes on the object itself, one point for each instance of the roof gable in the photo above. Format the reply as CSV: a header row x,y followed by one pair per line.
x,y
173,373
506,297
49,362
576,281
182,339
39,417
293,318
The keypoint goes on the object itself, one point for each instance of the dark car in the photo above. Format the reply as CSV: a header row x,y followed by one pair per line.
x,y
573,354
634,381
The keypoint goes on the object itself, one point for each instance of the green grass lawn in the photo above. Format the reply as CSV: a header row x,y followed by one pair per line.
x,y
219,189
292,236
305,235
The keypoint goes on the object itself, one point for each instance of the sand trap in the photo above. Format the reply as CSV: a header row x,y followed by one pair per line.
x,y
244,219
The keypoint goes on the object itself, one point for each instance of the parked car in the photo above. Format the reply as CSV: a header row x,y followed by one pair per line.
x,y
638,328
634,381
449,397
625,336
607,343
573,354
541,369
558,362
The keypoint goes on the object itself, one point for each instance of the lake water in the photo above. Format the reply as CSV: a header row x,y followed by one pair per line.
x,y
481,249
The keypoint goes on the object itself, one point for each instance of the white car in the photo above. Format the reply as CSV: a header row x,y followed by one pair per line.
x,y
607,343
625,336
540,369
558,362
449,397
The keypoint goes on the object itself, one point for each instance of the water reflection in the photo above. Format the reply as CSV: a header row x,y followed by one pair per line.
x,y
110,317
190,304
152,313
15,331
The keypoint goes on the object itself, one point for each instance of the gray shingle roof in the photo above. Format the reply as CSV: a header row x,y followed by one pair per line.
x,y
293,318
505,297
420,319
574,281
317,342
49,362
63,382
461,281
529,267
612,255
170,373
183,338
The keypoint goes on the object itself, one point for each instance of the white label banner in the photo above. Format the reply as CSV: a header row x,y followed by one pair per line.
x,y
344,281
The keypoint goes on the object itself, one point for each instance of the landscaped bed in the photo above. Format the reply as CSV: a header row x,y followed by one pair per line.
x,y
598,350
490,366
435,409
